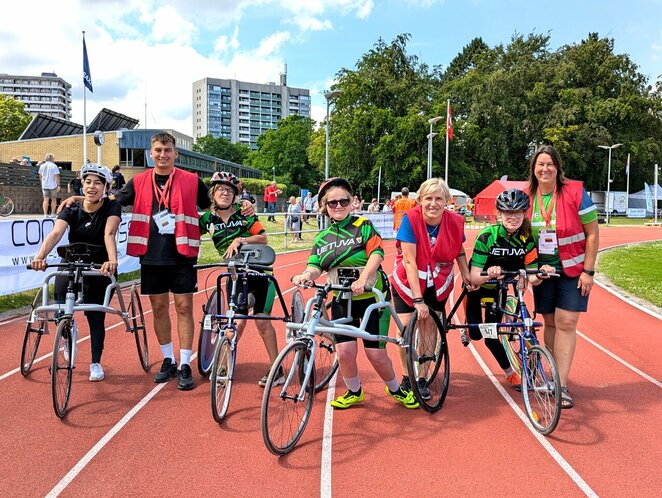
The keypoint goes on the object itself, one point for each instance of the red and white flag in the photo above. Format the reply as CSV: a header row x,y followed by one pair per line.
x,y
449,122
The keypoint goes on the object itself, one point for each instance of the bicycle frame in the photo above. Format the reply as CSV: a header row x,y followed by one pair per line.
x,y
315,324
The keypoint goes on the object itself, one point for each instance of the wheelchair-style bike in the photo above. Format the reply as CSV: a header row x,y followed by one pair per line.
x,y
218,338
45,312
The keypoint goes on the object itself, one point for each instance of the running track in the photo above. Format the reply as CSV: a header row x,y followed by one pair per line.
x,y
128,436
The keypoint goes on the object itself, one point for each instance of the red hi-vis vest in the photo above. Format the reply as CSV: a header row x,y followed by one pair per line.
x,y
437,260
569,229
183,196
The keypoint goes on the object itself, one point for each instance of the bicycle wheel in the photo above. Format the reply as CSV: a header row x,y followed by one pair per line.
x,y
138,328
541,389
6,206
222,373
326,362
427,358
33,331
208,334
62,366
284,416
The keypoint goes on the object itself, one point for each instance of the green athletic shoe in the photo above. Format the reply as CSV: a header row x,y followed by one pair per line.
x,y
406,398
346,400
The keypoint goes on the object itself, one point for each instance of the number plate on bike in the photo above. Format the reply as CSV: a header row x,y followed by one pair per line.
x,y
206,324
488,330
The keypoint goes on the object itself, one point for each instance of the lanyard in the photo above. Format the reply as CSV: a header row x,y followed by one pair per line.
x,y
163,196
547,213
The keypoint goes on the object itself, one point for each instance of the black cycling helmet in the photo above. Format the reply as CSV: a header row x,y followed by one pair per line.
x,y
512,200
223,177
336,181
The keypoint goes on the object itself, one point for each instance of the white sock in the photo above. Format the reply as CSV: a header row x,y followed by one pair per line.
x,y
353,383
509,371
168,351
185,356
393,385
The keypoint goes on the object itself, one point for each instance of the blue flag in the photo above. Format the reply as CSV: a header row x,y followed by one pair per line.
x,y
87,77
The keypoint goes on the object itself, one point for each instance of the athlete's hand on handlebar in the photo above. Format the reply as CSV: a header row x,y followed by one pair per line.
x,y
302,280
544,272
108,268
38,264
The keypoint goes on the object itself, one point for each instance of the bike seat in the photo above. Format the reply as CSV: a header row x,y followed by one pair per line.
x,y
78,251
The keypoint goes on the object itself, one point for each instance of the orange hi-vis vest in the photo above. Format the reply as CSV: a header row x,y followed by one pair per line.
x,y
432,261
183,195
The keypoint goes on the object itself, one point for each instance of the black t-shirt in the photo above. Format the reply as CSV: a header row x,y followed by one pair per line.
x,y
90,227
76,186
161,249
118,181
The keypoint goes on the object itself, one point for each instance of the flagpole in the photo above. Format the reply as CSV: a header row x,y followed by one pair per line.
x,y
84,115
627,184
448,109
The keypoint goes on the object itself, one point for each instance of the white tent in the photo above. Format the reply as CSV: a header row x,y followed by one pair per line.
x,y
638,199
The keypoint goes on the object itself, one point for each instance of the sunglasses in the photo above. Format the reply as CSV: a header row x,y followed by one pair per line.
x,y
334,203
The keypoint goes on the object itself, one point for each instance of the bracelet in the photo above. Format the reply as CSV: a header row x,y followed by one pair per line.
x,y
418,300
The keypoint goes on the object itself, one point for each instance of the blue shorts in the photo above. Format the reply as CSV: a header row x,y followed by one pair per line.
x,y
559,292
178,279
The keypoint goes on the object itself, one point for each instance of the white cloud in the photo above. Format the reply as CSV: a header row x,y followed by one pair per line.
x,y
307,23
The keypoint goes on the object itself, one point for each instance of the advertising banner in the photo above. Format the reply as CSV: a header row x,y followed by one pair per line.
x,y
20,240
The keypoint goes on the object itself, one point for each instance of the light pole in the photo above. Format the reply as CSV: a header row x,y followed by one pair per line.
x,y
607,207
273,173
329,96
431,135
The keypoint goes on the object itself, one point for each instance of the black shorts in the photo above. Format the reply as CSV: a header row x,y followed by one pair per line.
x,y
377,322
161,279
559,292
429,298
263,290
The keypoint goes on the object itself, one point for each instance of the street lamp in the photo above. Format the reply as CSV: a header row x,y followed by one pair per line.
x,y
431,135
273,172
329,96
607,207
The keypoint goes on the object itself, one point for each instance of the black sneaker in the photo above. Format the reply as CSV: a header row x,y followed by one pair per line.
x,y
405,385
185,378
167,372
423,390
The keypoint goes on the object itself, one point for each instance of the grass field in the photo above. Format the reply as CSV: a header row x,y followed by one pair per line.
x,y
636,269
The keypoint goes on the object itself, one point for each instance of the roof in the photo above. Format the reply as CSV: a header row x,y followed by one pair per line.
x,y
43,126
108,120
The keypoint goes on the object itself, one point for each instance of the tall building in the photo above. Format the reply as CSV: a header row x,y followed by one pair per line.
x,y
46,94
240,111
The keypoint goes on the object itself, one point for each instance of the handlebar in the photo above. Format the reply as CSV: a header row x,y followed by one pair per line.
x,y
74,265
515,273
239,265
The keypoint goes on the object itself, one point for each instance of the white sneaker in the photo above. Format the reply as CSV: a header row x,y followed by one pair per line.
x,y
96,372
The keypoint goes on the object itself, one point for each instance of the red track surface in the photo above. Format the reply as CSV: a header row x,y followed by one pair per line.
x,y
610,444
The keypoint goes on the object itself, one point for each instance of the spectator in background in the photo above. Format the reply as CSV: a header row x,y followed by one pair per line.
x,y
75,186
308,205
356,204
246,195
374,206
49,175
401,206
270,198
387,206
294,218
118,179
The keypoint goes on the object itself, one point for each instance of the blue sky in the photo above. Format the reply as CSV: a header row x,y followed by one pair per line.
x,y
149,52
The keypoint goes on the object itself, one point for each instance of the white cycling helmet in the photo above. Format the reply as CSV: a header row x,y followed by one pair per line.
x,y
100,171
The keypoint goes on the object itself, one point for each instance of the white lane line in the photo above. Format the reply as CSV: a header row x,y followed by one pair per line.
x,y
620,360
327,440
562,462
82,463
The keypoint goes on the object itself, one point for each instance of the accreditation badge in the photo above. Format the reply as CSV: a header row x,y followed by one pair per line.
x,y
547,243
165,222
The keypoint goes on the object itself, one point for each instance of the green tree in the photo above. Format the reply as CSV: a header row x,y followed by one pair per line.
x,y
221,148
13,118
285,149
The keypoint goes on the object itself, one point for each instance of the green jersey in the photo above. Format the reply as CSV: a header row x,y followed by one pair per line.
x,y
223,233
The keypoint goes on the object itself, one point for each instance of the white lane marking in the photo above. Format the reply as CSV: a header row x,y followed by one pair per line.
x,y
620,360
327,440
82,463
562,462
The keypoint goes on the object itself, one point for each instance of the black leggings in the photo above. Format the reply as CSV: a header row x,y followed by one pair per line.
x,y
94,289
474,315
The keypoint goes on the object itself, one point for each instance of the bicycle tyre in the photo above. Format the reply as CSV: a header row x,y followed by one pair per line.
x,y
62,367
541,389
221,376
427,358
208,336
138,328
6,206
34,329
326,361
283,416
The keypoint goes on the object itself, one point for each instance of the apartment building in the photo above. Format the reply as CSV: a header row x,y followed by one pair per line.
x,y
46,94
241,111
